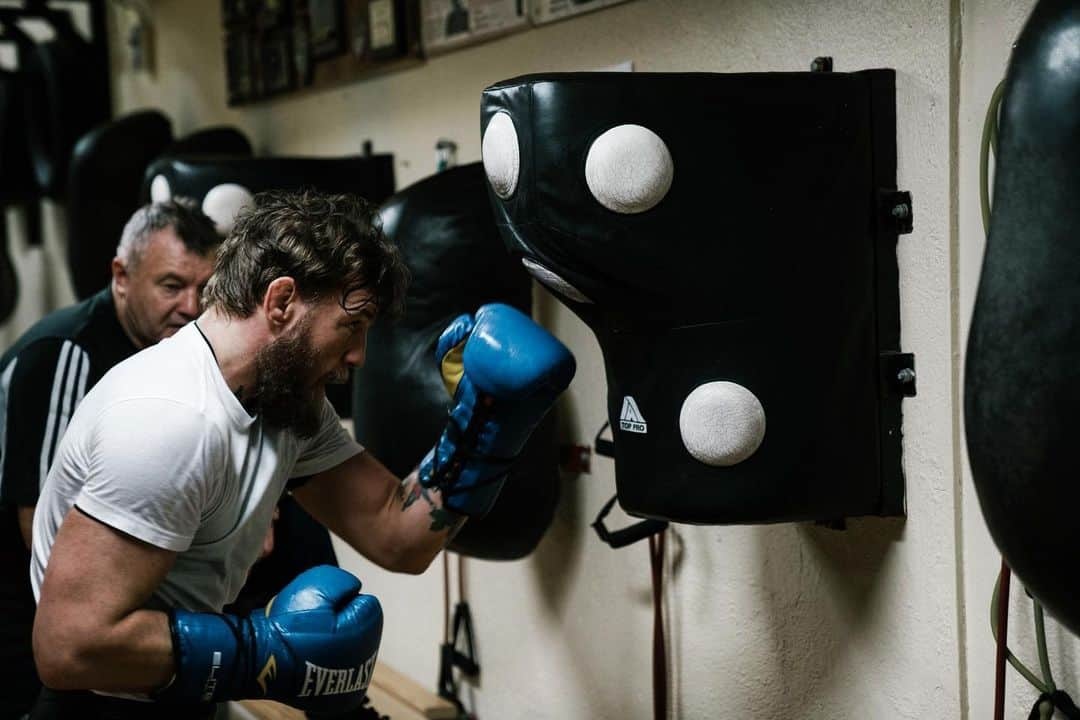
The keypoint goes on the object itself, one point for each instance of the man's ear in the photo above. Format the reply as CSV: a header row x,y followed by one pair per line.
x,y
120,276
281,303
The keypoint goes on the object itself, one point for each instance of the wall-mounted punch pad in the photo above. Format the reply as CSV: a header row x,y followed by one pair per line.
x,y
731,241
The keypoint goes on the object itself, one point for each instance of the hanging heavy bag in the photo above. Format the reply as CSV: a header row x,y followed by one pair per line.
x,y
68,94
1022,387
446,231
106,173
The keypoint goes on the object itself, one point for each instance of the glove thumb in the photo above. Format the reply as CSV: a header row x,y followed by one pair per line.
x,y
450,351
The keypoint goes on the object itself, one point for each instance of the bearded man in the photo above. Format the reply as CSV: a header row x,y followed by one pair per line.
x,y
165,483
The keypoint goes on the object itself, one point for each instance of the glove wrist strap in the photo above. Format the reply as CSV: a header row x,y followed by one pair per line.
x,y
207,652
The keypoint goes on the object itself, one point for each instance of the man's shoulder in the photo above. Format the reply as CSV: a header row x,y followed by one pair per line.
x,y
168,372
72,324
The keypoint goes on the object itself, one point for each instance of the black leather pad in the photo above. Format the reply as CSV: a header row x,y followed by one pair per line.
x,y
370,177
106,174
68,96
446,230
215,140
1022,383
766,264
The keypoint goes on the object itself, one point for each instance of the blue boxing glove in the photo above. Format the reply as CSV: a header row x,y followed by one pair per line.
x,y
504,372
312,647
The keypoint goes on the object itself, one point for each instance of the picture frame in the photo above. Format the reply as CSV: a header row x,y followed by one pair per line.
x,y
276,63
327,28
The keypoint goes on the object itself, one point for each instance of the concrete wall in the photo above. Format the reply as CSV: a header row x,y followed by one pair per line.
x,y
885,620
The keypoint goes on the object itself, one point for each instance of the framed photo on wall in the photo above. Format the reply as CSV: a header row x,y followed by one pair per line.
x,y
545,11
240,66
276,62
328,34
448,24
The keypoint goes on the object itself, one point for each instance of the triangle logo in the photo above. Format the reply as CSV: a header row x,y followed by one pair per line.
x,y
631,419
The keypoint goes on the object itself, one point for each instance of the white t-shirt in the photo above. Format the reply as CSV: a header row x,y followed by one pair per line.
x,y
162,450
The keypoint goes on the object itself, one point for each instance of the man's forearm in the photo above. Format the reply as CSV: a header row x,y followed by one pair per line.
x,y
427,525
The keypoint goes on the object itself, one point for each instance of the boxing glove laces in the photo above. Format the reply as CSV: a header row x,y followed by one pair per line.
x,y
503,373
312,647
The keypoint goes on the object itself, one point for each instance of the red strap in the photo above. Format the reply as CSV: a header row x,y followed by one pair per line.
x,y
656,558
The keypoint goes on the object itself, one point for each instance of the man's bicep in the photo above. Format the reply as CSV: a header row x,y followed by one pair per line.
x,y
91,629
97,575
350,493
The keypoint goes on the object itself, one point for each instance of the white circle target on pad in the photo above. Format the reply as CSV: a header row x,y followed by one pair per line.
x,y
722,423
159,189
223,204
501,156
629,169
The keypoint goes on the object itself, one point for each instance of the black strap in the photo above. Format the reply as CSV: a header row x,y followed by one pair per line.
x,y
603,446
450,657
632,533
627,535
659,668
1061,702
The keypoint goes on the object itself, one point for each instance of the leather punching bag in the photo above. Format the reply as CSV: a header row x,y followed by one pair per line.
x,y
446,231
16,178
1022,383
105,179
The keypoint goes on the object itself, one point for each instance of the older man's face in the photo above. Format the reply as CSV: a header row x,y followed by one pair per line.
x,y
161,290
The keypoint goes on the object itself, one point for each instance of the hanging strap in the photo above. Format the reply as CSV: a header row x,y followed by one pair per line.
x,y
656,532
602,445
627,535
632,533
450,657
659,668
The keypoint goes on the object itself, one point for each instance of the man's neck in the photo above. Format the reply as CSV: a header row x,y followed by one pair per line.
x,y
234,342
120,305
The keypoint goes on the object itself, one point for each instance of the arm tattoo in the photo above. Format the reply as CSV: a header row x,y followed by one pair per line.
x,y
411,490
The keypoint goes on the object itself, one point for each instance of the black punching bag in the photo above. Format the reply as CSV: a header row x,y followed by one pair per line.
x,y
446,231
1022,384
16,178
105,175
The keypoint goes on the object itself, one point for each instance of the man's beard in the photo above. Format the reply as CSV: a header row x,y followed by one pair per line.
x,y
283,395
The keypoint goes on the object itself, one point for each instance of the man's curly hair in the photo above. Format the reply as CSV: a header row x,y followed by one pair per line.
x,y
326,243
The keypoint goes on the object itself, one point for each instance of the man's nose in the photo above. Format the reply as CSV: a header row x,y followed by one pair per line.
x,y
189,303
357,352
355,356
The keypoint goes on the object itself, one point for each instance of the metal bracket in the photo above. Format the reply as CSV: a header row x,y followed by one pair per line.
x,y
897,372
896,210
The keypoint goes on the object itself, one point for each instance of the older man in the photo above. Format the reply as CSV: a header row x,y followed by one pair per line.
x,y
163,260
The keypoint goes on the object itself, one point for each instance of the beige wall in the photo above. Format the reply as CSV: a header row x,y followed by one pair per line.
x,y
885,620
